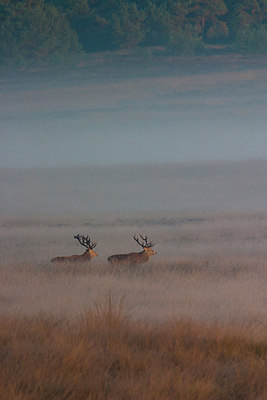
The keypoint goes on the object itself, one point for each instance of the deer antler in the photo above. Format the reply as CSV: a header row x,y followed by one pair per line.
x,y
85,241
145,244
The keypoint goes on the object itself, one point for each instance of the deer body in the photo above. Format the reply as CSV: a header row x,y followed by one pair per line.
x,y
129,259
134,258
85,257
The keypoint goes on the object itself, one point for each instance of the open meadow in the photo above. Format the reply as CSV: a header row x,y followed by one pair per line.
x,y
189,324
174,149
208,267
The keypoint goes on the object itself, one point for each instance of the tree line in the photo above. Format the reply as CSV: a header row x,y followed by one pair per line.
x,y
36,32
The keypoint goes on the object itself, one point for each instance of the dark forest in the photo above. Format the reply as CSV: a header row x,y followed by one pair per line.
x,y
45,32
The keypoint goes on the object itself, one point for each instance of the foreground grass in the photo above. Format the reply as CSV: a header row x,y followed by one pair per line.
x,y
105,355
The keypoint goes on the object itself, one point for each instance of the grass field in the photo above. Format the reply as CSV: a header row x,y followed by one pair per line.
x,y
104,355
208,267
190,324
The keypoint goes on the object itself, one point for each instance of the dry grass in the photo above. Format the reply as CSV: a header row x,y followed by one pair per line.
x,y
190,324
105,355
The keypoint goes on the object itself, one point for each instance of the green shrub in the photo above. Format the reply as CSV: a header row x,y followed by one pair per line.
x,y
184,42
36,35
158,21
251,40
128,25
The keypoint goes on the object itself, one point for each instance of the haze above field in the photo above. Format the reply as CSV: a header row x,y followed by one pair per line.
x,y
119,109
190,187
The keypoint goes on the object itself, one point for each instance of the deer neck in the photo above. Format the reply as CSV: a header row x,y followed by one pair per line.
x,y
86,254
144,255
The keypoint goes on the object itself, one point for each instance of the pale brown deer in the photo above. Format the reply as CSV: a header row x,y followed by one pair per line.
x,y
85,257
134,258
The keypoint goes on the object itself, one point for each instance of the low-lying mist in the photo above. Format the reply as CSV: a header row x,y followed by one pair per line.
x,y
214,186
176,110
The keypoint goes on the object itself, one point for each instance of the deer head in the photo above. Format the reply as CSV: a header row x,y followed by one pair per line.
x,y
145,245
86,242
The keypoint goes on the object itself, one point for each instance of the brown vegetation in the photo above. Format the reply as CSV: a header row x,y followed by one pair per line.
x,y
105,355
192,325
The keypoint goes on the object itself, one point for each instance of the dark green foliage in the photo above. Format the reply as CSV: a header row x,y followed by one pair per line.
x,y
93,30
129,25
184,42
206,16
244,13
251,40
218,32
158,20
35,33
38,32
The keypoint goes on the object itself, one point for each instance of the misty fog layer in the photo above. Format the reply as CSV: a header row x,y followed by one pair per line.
x,y
210,186
106,114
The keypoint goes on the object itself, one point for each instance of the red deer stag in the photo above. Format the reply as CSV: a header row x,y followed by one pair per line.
x,y
89,253
134,258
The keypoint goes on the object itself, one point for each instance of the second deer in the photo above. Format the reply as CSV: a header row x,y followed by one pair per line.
x,y
134,258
